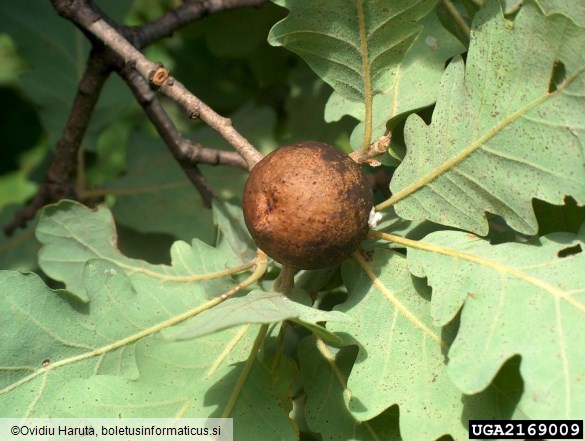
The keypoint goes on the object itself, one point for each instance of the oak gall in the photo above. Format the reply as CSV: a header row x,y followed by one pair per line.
x,y
307,205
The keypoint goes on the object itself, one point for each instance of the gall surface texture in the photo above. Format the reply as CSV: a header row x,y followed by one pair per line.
x,y
307,205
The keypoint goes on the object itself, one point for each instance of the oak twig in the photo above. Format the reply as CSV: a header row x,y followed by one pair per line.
x,y
187,154
373,151
158,76
58,183
187,12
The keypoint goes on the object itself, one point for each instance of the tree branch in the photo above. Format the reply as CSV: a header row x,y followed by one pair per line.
x,y
184,14
187,154
57,184
84,16
167,131
186,150
112,53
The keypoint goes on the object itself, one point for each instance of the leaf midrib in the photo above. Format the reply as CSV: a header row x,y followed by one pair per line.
x,y
258,272
366,75
467,151
397,303
135,269
558,294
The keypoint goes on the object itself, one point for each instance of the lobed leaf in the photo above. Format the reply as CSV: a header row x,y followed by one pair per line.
x,y
100,353
354,46
418,75
516,298
325,370
72,234
59,359
507,128
401,358
92,338
353,43
573,10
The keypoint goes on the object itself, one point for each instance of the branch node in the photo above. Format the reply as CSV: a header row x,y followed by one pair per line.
x,y
196,112
374,150
158,76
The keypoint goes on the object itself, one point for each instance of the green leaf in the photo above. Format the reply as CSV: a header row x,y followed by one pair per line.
x,y
72,234
256,307
12,65
112,146
43,326
401,357
61,358
392,223
197,67
511,6
182,380
156,183
351,44
355,46
305,105
71,355
502,133
518,299
420,70
325,370
15,188
573,10
229,218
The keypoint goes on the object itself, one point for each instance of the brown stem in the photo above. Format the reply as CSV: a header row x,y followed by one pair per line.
x,y
158,76
57,184
83,13
187,152
184,14
167,131
374,150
